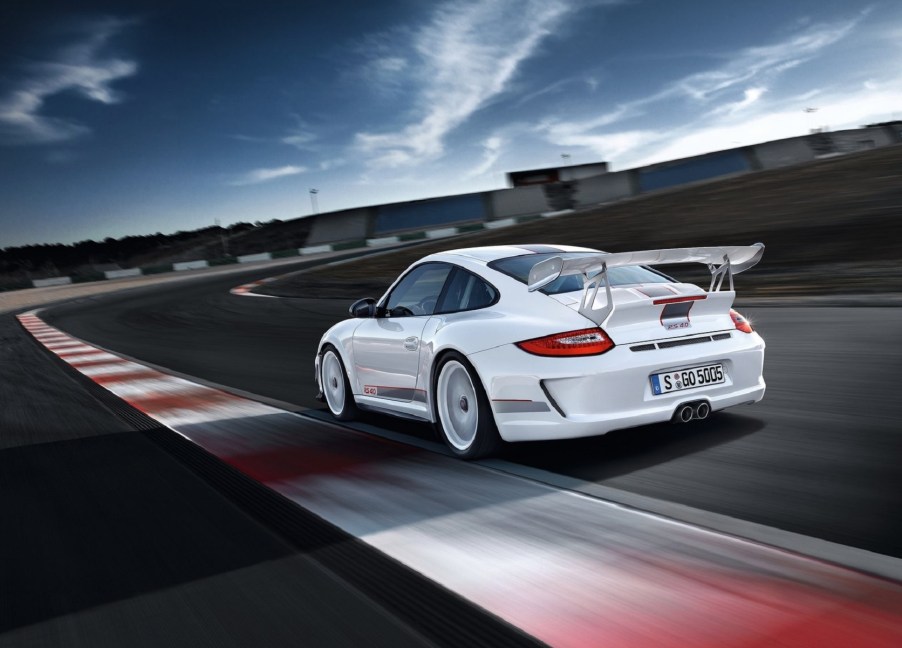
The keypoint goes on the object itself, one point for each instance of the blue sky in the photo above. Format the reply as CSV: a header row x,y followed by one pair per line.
x,y
130,118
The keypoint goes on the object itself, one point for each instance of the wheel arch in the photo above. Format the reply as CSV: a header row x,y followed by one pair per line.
x,y
437,360
487,439
340,337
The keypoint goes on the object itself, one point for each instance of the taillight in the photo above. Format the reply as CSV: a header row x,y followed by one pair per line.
x,y
740,322
583,342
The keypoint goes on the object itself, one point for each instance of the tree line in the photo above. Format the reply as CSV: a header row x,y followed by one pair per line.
x,y
58,259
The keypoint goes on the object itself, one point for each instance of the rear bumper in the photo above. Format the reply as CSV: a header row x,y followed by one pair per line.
x,y
538,398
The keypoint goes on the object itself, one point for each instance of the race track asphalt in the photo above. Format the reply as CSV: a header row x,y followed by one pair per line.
x,y
119,532
819,456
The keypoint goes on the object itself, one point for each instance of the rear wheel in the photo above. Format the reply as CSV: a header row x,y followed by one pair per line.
x,y
463,414
336,387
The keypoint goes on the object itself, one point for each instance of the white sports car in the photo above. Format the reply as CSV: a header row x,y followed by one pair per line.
x,y
530,342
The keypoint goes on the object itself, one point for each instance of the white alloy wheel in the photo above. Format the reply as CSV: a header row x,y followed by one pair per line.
x,y
458,407
335,386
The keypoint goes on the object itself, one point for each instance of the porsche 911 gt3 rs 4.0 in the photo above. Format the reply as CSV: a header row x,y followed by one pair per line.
x,y
532,342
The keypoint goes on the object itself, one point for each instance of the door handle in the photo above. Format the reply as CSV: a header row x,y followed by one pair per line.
x,y
411,343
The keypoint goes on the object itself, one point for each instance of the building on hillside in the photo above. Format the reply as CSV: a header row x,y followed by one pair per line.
x,y
894,127
555,174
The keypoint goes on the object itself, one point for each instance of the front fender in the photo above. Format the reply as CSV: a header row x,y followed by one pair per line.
x,y
341,337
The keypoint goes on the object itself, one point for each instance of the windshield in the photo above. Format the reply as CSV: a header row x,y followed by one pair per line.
x,y
518,267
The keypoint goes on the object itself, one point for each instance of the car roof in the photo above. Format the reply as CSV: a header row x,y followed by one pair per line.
x,y
490,253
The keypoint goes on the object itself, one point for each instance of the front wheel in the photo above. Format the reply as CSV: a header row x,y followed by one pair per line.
x,y
336,386
463,414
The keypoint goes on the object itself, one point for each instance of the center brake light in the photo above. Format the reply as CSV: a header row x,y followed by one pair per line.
x,y
584,342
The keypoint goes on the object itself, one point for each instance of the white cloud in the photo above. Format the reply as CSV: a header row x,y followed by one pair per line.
x,y
334,163
491,151
467,55
299,138
265,175
388,65
611,145
552,88
733,121
763,61
787,118
78,69
749,97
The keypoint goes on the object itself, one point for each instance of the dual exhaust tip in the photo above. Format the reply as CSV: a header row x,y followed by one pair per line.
x,y
698,411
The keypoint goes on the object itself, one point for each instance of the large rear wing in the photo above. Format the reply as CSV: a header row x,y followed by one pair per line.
x,y
722,261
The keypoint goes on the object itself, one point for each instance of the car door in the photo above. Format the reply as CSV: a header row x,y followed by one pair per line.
x,y
387,348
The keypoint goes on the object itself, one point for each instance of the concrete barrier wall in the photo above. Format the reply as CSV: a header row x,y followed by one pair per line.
x,y
54,281
781,153
121,274
443,232
517,202
251,258
425,214
702,167
383,241
603,188
860,139
314,249
894,131
190,265
348,225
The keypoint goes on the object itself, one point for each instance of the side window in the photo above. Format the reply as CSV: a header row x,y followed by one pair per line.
x,y
466,291
418,292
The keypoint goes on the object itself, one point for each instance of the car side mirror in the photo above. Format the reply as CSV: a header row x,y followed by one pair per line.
x,y
363,308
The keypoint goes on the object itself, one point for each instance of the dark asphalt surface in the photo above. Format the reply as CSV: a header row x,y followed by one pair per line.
x,y
119,533
107,540
819,456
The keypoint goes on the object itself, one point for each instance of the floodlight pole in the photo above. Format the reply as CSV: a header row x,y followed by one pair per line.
x,y
810,112
314,207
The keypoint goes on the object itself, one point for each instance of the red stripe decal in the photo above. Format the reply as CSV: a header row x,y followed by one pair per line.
x,y
677,300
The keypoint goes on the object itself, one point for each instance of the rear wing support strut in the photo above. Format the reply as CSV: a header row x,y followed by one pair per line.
x,y
718,272
592,285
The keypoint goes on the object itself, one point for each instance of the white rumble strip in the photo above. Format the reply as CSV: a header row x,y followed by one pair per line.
x,y
167,398
246,290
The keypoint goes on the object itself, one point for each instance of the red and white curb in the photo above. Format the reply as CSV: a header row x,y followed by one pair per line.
x,y
568,569
171,400
246,290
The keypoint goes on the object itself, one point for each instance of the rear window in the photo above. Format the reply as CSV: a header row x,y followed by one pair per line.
x,y
518,267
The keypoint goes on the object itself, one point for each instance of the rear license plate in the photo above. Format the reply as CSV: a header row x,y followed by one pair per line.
x,y
664,383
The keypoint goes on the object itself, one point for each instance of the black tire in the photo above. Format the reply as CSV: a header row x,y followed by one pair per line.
x,y
333,378
469,432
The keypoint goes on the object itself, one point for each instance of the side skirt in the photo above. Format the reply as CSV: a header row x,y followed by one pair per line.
x,y
412,410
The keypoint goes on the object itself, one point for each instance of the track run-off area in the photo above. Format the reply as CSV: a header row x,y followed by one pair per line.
x,y
769,523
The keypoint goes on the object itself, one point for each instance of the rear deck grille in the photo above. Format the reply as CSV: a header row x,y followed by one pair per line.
x,y
669,344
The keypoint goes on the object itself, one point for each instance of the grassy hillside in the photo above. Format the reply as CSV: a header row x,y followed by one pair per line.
x,y
831,226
